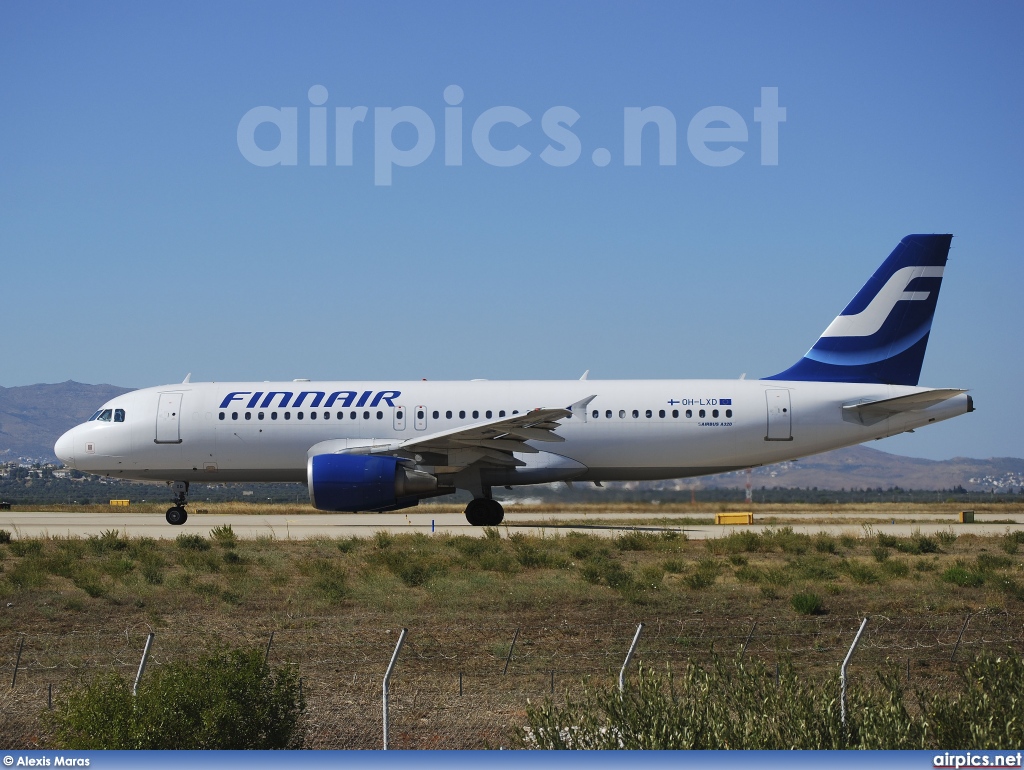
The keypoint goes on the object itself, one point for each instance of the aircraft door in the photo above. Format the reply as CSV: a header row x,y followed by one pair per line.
x,y
780,415
168,419
399,418
421,418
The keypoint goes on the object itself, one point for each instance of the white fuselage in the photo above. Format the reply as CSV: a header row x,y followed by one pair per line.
x,y
631,430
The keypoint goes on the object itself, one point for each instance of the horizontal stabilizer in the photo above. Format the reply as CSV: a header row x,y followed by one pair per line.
x,y
875,411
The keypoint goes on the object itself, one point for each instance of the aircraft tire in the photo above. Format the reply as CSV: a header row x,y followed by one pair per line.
x,y
482,512
176,516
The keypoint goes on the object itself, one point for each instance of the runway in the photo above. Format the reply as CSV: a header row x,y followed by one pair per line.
x,y
334,525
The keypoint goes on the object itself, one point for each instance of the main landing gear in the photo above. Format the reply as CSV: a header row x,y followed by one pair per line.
x,y
484,512
177,514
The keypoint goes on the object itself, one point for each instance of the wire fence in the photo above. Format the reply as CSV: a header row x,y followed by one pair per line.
x,y
468,686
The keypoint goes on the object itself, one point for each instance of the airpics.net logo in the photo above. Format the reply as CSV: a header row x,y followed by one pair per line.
x,y
405,137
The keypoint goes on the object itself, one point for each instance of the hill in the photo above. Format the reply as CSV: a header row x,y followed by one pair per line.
x,y
32,417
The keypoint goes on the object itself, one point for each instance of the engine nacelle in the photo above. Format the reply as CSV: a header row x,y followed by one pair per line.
x,y
350,482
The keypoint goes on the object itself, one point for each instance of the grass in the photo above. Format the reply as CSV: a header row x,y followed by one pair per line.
x,y
471,593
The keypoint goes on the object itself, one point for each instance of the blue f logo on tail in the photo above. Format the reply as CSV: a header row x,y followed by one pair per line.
x,y
882,334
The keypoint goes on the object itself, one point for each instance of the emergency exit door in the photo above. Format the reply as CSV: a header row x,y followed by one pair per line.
x,y
168,419
780,415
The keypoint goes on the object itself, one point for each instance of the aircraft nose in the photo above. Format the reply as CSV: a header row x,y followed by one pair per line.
x,y
65,449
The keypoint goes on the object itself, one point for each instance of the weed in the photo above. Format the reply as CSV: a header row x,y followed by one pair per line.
x,y
807,603
492,533
824,543
860,572
5,536
1009,544
705,574
946,537
737,560
224,535
897,568
848,541
349,544
383,540
960,575
28,547
674,566
880,552
635,541
192,542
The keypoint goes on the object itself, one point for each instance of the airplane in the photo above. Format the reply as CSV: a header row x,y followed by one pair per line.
x,y
383,446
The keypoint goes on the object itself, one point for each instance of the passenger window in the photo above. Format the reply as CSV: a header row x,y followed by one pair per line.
x,y
248,415
119,415
661,413
287,415
352,415
649,414
399,415
622,413
259,416
689,413
420,414
298,415
476,414
234,416
105,415
312,415
714,413
728,412
327,415
273,415
488,414
702,413
380,415
448,414
675,413
636,413
341,415
608,413
462,414
515,411
501,413
222,415
595,414
366,415
436,414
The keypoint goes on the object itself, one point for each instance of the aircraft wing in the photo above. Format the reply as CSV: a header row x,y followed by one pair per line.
x,y
875,411
491,442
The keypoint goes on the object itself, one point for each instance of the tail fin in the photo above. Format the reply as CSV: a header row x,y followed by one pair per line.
x,y
882,334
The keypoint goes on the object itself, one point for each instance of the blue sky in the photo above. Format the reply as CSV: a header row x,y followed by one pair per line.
x,y
138,243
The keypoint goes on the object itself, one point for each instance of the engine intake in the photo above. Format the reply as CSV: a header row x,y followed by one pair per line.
x,y
344,482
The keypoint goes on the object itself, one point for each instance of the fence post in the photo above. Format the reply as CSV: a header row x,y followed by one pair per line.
x,y
747,640
629,657
510,648
142,663
957,645
842,673
17,660
387,680
270,641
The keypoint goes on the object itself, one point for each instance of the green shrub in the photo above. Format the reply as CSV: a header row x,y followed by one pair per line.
x,y
705,574
5,536
109,540
224,536
27,547
227,700
824,543
880,552
807,603
960,575
192,542
737,705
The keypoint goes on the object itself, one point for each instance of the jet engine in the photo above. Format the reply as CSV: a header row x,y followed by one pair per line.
x,y
352,482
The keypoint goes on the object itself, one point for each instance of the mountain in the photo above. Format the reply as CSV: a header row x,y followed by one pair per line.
x,y
861,467
33,417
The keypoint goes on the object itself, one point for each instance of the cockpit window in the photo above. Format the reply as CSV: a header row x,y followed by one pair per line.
x,y
119,415
105,415
96,415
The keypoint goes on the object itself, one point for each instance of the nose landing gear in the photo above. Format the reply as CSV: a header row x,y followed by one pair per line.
x,y
177,515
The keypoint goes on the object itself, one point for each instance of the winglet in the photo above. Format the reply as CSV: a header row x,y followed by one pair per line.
x,y
188,379
585,374
580,407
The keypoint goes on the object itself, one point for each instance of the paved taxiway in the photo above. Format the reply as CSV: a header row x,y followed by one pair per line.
x,y
301,527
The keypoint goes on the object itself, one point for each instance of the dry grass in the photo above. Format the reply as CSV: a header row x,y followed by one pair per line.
x,y
335,607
